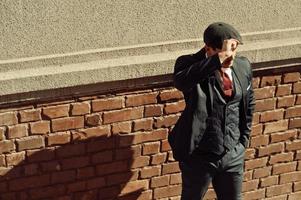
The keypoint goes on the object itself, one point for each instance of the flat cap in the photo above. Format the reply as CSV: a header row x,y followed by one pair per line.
x,y
217,32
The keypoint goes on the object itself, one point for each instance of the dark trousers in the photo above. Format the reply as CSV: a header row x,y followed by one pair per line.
x,y
225,172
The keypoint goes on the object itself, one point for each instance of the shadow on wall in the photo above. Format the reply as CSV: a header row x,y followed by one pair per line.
x,y
99,168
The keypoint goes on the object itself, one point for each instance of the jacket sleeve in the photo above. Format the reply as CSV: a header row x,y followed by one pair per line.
x,y
250,106
188,70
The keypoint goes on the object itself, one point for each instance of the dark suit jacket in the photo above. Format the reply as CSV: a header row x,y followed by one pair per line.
x,y
193,75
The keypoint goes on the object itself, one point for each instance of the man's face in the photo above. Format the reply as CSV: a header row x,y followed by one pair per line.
x,y
229,48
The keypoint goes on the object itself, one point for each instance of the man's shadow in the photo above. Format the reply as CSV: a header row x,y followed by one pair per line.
x,y
98,168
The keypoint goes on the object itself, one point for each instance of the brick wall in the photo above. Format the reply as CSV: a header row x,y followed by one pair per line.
x,y
114,146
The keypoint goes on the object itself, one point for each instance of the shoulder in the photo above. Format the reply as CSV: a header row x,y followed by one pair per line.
x,y
244,64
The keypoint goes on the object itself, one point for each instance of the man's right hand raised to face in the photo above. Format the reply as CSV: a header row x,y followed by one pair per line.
x,y
228,52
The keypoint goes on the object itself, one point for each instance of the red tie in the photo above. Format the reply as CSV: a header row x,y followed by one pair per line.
x,y
227,83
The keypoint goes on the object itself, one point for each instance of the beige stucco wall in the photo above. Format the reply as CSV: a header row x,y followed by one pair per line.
x,y
34,27
49,46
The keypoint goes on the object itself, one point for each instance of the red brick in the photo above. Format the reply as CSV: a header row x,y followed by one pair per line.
x,y
153,110
282,157
264,93
93,120
264,105
165,146
168,95
257,129
143,124
99,145
32,142
262,172
38,155
293,112
86,172
298,100
56,111
134,186
141,99
31,169
277,126
9,118
283,90
270,149
30,115
29,182
6,146
269,181
151,148
122,177
76,187
166,121
283,136
270,80
158,159
17,131
63,176
170,168
291,77
297,186
256,116
175,107
141,161
64,124
294,196
47,192
297,88
136,138
148,172
123,115
122,127
272,115
99,131
14,159
250,185
279,189
80,108
256,163
71,150
90,194
295,123
2,133
40,127
210,194
284,168
96,183
50,166
105,193
250,153
107,104
4,171
2,162
168,191
298,155
58,138
259,140
128,153
102,157
160,181
284,102
75,163
256,82
111,168
175,178
294,145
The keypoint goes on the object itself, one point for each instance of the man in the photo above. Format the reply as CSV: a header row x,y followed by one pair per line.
x,y
210,137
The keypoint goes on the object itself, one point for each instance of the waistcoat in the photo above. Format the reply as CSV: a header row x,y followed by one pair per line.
x,y
222,125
